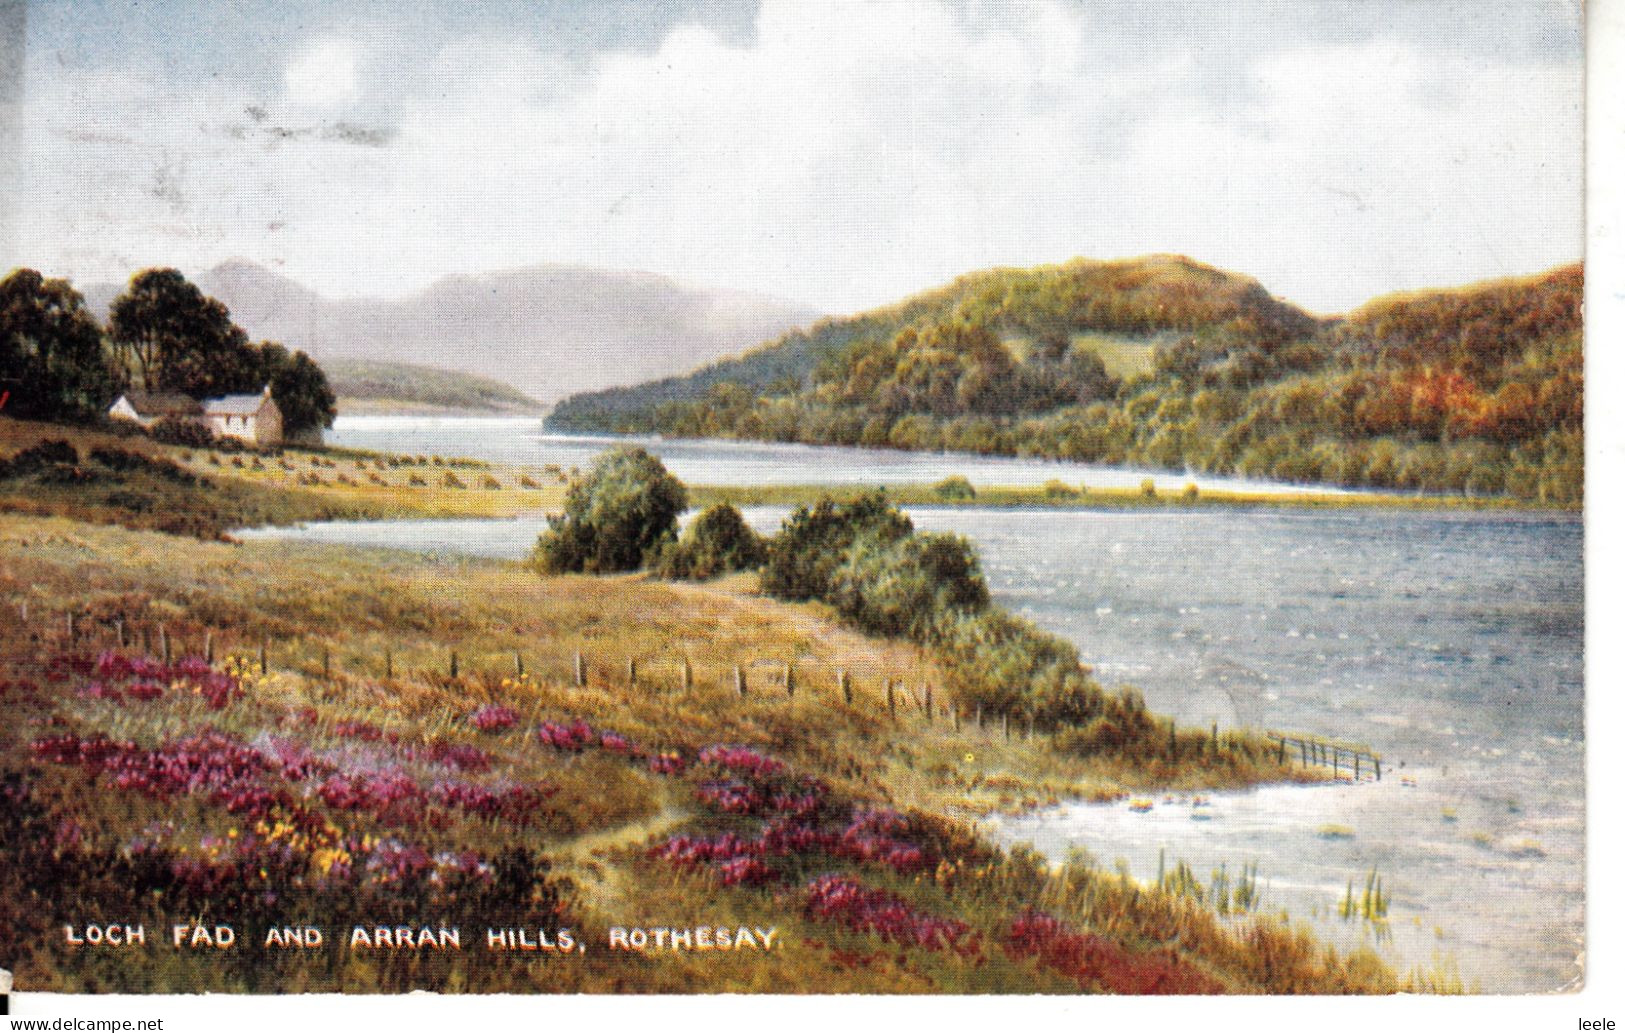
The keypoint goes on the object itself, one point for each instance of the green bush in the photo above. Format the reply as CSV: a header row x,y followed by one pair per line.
x,y
803,557
954,489
1055,489
616,518
906,586
717,542
1009,665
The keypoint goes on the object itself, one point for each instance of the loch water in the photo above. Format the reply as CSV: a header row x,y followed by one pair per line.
x,y
1451,642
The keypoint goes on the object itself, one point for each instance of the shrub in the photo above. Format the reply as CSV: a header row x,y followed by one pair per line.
x,y
1008,664
1148,488
174,431
1055,489
954,489
615,519
717,542
37,458
803,557
1192,492
905,586
121,461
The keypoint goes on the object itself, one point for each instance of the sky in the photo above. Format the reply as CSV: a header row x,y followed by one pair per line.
x,y
837,154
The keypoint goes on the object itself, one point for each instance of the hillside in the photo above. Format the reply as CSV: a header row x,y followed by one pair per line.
x,y
1130,304
546,330
1168,363
397,386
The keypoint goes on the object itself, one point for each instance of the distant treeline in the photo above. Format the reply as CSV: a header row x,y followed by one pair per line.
x,y
1475,390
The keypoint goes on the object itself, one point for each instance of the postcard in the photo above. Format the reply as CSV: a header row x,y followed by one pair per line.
x,y
911,497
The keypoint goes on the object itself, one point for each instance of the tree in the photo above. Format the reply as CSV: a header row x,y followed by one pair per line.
x,y
298,386
615,519
53,362
179,339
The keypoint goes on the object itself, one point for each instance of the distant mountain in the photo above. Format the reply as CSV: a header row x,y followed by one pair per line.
x,y
548,330
366,386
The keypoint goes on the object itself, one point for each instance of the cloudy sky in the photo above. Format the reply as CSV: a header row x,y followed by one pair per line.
x,y
837,154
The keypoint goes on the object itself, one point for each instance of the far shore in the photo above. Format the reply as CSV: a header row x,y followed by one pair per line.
x,y
1041,497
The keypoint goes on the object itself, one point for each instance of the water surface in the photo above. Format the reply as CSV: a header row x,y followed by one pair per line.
x,y
1451,642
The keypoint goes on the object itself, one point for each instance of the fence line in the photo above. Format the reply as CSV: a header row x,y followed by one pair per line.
x,y
893,695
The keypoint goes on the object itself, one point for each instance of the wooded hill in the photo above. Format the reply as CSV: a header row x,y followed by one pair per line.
x,y
1165,362
406,386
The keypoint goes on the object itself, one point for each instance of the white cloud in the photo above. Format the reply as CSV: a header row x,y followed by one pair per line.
x,y
842,156
323,76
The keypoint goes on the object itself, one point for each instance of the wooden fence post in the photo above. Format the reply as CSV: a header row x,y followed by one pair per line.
x,y
1376,766
930,707
1173,739
957,717
265,648
978,717
891,699
631,673
1356,767
454,663
208,646
688,675
518,665
71,636
1215,738
789,680
389,663
739,681
1005,720
845,681
580,670
163,642
327,663
119,624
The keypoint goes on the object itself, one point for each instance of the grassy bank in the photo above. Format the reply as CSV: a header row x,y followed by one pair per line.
x,y
364,780
205,492
1074,496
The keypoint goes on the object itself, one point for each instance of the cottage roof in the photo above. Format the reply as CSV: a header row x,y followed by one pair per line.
x,y
163,403
235,405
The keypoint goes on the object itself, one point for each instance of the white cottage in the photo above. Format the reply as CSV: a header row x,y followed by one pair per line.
x,y
252,418
149,407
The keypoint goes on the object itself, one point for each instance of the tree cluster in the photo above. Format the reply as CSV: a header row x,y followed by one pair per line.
x,y
163,334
